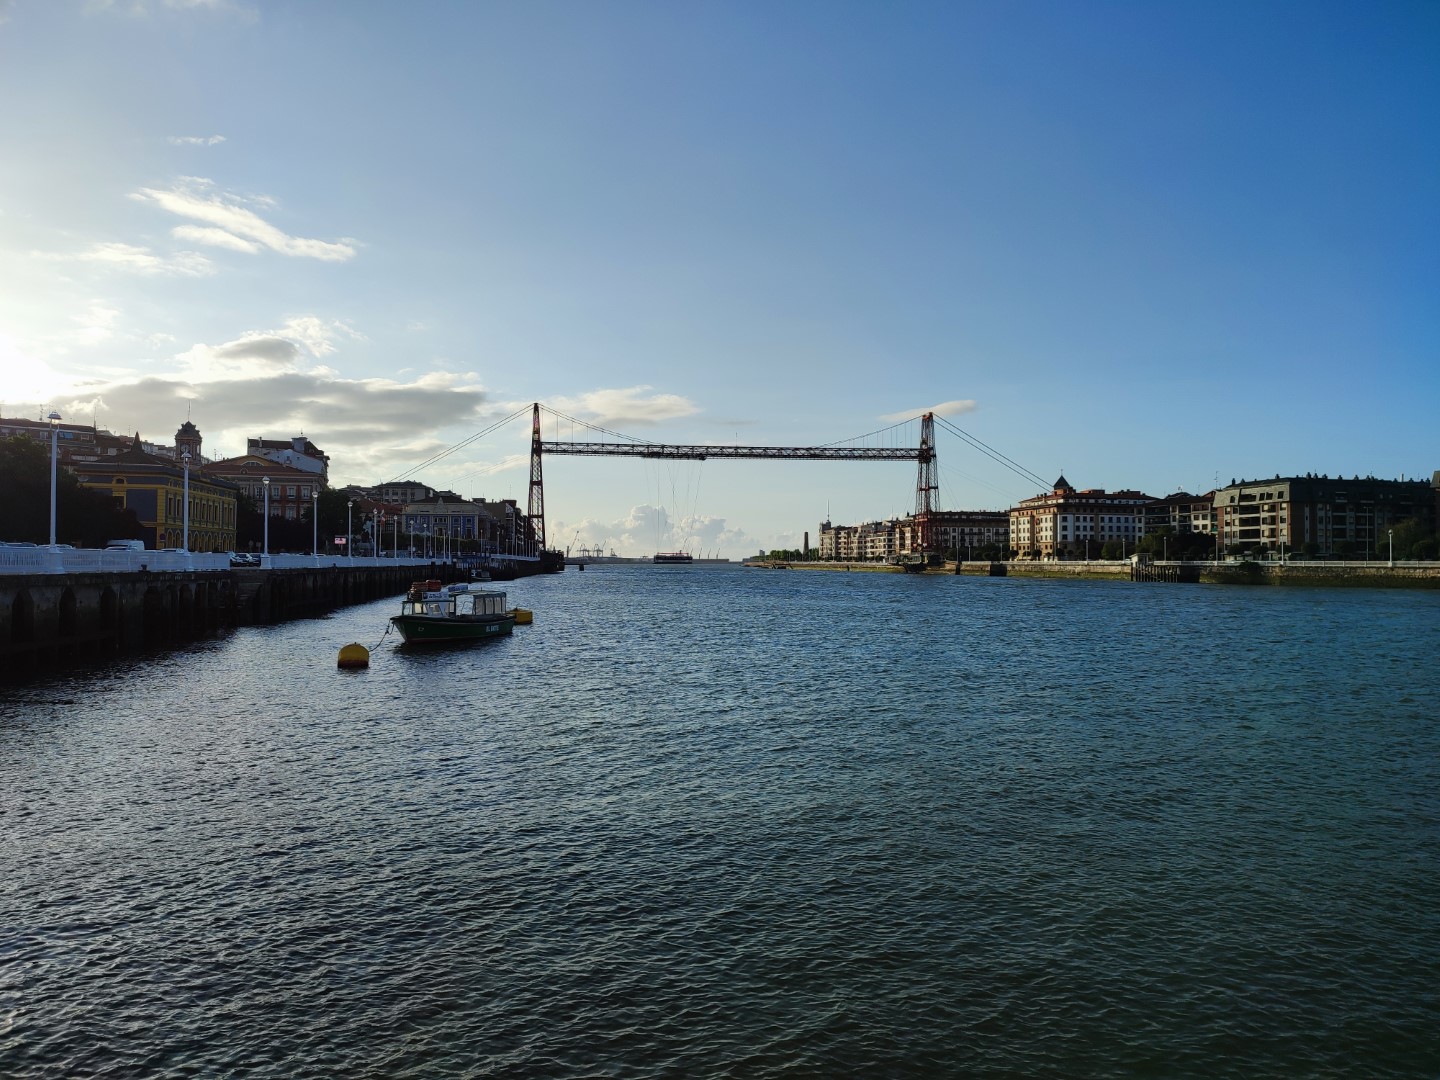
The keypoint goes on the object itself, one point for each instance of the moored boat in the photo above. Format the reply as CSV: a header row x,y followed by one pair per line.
x,y
431,615
673,557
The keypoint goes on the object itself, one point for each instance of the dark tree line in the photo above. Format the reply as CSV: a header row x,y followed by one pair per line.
x,y
83,517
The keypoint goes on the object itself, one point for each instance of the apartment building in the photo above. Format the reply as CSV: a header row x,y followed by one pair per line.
x,y
1329,516
874,541
1181,512
291,491
298,453
1066,523
956,530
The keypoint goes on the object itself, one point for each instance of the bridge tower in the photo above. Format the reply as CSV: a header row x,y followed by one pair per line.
x,y
537,484
927,486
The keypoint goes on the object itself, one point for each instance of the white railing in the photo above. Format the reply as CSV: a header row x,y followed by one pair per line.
x,y
16,559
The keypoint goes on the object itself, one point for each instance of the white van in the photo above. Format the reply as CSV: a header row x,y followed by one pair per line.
x,y
125,545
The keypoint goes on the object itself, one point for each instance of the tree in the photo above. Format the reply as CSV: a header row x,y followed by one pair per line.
x,y
1408,533
83,516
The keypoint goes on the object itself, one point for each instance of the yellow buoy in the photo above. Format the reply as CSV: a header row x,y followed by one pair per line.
x,y
523,616
354,655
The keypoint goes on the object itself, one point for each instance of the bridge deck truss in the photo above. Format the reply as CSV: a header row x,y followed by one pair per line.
x,y
703,453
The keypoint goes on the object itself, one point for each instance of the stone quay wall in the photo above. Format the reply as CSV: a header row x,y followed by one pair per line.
x,y
51,621
1374,575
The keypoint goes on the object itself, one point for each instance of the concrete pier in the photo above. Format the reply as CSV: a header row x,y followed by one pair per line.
x,y
51,621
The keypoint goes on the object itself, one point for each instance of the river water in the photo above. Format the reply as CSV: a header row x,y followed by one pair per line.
x,y
714,822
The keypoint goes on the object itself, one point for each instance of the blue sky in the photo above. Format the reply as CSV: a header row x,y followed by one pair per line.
x,y
1148,245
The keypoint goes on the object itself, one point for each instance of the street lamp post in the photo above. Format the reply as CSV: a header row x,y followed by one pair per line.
x,y
375,529
350,530
185,534
315,521
54,419
1391,533
265,483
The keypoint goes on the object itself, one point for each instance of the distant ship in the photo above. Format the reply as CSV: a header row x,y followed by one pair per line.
x,y
674,557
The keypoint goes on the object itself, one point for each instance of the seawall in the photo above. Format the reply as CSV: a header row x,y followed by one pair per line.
x,y
51,621
1356,575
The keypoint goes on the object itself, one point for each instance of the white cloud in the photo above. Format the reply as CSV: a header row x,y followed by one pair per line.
x,y
140,260
233,224
630,405
195,140
201,234
261,352
143,8
647,529
945,408
266,349
97,323
367,426
318,335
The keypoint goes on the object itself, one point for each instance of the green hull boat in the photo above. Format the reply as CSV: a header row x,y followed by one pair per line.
x,y
456,613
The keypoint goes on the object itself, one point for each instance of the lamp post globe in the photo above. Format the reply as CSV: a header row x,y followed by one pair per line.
x,y
185,534
265,483
54,419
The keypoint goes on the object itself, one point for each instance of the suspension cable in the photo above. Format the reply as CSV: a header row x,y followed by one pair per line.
x,y
993,454
443,454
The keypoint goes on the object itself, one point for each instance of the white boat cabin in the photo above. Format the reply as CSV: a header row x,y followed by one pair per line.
x,y
459,600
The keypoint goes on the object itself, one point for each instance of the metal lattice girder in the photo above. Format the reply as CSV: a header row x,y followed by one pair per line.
x,y
701,453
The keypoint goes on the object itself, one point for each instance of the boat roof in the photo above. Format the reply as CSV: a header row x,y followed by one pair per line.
x,y
468,588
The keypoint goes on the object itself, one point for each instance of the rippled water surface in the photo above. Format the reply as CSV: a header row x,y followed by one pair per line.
x,y
716,822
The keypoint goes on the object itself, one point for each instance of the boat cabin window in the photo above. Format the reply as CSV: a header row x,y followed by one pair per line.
x,y
481,604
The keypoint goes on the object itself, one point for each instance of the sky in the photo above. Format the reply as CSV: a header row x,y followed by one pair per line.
x,y
1150,246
